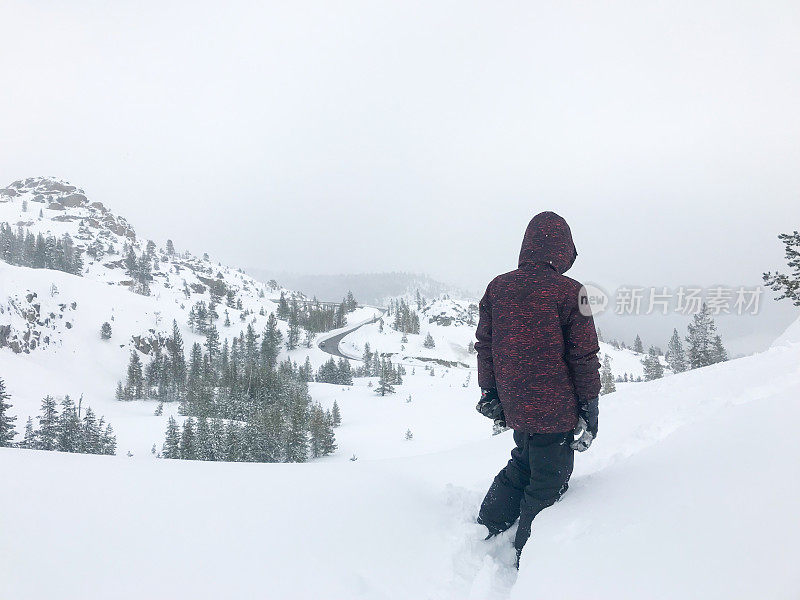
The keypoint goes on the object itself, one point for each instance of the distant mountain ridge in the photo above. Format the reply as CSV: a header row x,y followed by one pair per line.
x,y
368,288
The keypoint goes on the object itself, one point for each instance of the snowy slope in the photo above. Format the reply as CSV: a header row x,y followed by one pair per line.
x,y
690,491
64,312
451,322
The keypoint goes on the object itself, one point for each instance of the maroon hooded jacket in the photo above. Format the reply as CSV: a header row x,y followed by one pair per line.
x,y
534,345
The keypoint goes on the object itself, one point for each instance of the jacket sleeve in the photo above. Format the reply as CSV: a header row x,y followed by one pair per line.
x,y
484,344
581,348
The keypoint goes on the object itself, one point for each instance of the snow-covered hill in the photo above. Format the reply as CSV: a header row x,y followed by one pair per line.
x,y
690,491
451,323
50,320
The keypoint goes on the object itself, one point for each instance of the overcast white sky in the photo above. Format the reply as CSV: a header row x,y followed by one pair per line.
x,y
420,136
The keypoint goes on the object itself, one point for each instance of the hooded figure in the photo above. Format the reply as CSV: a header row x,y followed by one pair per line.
x,y
539,372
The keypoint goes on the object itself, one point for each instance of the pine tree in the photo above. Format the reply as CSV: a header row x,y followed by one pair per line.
x,y
676,358
429,342
171,447
607,377
385,380
109,440
297,437
105,331
336,414
700,340
212,341
307,371
718,353
652,366
48,424
293,337
187,444
134,387
367,360
29,439
69,428
409,434
315,431
345,373
638,346
327,438
271,342
7,431
204,443
177,361
283,308
91,443
232,443
788,285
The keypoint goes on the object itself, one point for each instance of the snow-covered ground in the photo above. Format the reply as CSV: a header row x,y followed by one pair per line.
x,y
690,491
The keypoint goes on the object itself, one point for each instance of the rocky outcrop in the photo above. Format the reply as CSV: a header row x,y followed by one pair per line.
x,y
73,200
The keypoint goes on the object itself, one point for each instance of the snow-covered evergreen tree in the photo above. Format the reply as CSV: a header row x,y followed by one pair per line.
x,y
48,424
91,435
718,352
29,438
171,447
7,430
134,386
676,357
68,438
787,284
607,377
385,379
653,369
188,449
700,339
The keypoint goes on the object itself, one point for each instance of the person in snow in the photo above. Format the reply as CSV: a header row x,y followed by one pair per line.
x,y
539,375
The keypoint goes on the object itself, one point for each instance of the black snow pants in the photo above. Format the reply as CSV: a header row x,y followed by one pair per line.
x,y
536,477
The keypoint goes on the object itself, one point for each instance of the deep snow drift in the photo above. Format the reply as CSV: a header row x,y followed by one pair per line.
x,y
690,491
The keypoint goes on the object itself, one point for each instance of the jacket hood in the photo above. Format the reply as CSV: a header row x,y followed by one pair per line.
x,y
548,240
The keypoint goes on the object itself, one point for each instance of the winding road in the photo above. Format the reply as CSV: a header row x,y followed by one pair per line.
x,y
331,344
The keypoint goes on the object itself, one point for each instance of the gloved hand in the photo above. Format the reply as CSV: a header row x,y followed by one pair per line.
x,y
586,430
489,406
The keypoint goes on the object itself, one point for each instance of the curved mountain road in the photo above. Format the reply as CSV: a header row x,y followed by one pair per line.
x,y
331,344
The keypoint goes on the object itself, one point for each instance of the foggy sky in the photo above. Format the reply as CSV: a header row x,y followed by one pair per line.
x,y
324,137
